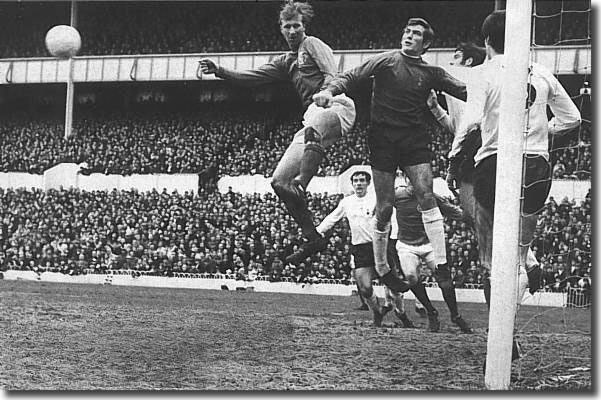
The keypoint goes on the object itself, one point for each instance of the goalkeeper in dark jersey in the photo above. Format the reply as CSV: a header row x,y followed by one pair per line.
x,y
398,137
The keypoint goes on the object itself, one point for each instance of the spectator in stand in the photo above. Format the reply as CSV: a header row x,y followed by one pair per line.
x,y
197,27
77,232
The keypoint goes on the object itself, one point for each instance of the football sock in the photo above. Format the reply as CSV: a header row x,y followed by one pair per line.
x,y
372,302
419,291
450,298
434,227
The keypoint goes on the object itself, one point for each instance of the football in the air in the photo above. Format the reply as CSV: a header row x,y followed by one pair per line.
x,y
63,41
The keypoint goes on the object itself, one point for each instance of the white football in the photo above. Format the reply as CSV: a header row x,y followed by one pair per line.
x,y
63,41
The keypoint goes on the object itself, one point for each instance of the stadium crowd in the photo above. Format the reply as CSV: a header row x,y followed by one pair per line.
x,y
115,28
161,233
211,144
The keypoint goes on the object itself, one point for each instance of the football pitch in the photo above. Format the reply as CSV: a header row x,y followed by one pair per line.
x,y
101,337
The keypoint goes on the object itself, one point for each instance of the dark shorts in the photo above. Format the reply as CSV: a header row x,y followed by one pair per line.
x,y
390,150
364,255
471,144
537,183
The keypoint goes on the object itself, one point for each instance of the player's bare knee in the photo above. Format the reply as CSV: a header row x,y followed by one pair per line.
x,y
328,123
277,185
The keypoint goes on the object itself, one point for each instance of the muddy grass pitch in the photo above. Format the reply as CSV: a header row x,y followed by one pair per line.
x,y
92,337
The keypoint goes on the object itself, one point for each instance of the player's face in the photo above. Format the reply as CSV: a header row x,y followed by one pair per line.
x,y
293,31
412,42
360,185
457,60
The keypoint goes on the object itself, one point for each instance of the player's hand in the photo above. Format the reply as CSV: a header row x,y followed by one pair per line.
x,y
452,183
452,175
432,100
323,99
207,66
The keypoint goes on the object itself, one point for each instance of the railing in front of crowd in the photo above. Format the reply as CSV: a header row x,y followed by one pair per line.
x,y
562,60
575,296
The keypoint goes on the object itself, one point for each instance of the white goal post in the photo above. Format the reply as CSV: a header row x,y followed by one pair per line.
x,y
505,256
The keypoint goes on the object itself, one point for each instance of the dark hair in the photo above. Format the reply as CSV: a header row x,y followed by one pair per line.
x,y
291,9
470,50
365,173
428,31
493,29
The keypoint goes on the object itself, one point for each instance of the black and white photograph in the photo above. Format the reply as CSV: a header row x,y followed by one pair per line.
x,y
296,196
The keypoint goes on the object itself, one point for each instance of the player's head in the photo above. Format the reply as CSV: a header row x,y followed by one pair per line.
x,y
294,18
402,183
417,38
468,55
360,181
493,31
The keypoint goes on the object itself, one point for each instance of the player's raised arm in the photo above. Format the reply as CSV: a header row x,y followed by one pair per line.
x,y
451,85
274,71
476,101
343,82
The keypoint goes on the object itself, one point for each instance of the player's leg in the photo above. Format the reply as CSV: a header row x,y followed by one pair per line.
x,y
295,201
536,188
448,294
364,276
287,169
384,157
397,299
420,176
363,306
484,178
410,261
323,127
384,188
420,309
485,175
465,173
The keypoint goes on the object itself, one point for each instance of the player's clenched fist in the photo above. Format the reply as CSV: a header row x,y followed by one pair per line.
x,y
323,99
207,66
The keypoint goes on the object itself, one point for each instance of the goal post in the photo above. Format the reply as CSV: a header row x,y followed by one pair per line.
x,y
70,85
506,228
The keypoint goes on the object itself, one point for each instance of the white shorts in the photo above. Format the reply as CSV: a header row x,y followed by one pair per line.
x,y
343,107
411,257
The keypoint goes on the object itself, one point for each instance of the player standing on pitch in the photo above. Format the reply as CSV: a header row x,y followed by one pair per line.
x,y
308,66
414,248
398,135
466,144
482,109
358,208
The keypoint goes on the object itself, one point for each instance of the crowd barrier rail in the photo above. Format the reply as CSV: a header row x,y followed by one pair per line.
x,y
572,297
